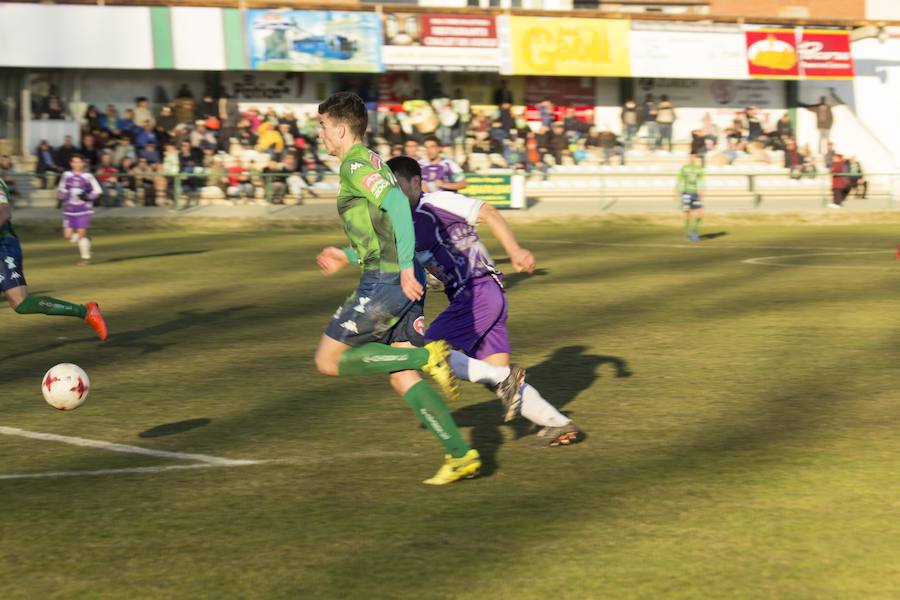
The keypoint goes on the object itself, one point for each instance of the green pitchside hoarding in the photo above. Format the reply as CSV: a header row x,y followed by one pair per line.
x,y
493,189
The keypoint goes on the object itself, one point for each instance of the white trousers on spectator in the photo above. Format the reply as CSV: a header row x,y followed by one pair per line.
x,y
296,185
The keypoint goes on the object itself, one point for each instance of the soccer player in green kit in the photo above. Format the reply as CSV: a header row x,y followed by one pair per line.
x,y
690,189
379,329
14,287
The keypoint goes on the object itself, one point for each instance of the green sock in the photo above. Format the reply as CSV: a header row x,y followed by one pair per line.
x,y
687,225
380,358
46,305
697,225
431,409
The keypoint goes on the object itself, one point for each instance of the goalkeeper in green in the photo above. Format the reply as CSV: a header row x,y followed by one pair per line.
x,y
690,188
379,329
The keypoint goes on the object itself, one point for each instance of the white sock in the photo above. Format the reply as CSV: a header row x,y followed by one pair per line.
x,y
539,411
73,238
476,371
84,248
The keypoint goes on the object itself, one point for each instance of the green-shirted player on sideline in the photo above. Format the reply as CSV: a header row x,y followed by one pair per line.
x,y
379,329
14,287
690,188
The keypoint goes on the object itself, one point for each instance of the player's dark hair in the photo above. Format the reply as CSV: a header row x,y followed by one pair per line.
x,y
405,167
347,108
432,138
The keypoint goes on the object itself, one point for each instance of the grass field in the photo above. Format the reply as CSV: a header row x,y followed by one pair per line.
x,y
742,421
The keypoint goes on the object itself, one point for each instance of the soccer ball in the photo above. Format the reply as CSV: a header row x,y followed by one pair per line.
x,y
65,386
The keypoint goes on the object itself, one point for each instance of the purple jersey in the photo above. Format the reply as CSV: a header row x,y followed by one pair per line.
x,y
78,191
447,243
442,170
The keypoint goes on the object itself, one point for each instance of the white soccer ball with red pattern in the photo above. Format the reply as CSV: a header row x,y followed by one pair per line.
x,y
66,386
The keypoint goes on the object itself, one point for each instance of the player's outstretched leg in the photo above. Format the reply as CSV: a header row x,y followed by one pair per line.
x,y
373,357
47,305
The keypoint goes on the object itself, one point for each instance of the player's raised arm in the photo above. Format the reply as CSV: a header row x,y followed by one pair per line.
x,y
521,259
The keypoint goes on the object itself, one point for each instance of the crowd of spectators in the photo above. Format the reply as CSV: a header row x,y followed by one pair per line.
x,y
207,148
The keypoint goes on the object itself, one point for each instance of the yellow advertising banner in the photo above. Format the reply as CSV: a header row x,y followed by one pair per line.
x,y
568,46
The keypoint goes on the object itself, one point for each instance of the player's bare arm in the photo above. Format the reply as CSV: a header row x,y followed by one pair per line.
x,y
521,259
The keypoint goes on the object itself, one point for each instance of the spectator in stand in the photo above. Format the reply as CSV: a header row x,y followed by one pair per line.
x,y
783,127
65,153
239,183
110,186
648,118
439,172
47,162
185,105
275,180
216,177
289,140
611,146
503,95
165,124
665,120
151,154
498,137
297,183
396,150
190,162
545,111
507,121
126,178
92,118
558,143
145,135
698,145
394,135
144,175
411,149
142,112
755,129
592,139
631,121
53,106
270,139
245,136
858,182
829,155
202,137
89,152
8,175
126,124
793,160
824,122
573,126
462,107
840,183
533,157
208,107
109,119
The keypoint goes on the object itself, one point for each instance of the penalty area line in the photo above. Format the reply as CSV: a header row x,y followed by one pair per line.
x,y
113,447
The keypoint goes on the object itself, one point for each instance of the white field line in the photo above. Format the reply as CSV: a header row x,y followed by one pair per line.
x,y
703,245
770,261
110,471
76,441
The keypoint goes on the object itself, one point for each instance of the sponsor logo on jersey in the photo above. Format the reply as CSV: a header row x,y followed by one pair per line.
x,y
372,180
354,166
376,160
379,188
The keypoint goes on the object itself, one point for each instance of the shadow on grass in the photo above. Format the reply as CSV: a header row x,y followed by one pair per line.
x,y
513,279
712,235
174,428
567,373
159,255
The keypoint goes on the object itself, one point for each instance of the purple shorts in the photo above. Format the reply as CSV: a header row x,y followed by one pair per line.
x,y
475,321
77,221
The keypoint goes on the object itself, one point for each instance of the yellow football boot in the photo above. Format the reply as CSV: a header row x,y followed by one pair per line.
x,y
466,466
439,369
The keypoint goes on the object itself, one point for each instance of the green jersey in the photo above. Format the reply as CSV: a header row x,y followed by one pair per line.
x,y
6,230
690,179
365,183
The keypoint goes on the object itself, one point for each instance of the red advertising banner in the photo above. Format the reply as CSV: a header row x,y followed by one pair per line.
x,y
825,54
567,91
459,31
799,54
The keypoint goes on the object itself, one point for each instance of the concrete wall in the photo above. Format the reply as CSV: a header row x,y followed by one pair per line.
x,y
824,9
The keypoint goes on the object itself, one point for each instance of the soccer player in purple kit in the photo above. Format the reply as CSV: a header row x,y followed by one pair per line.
x,y
447,244
78,190
438,172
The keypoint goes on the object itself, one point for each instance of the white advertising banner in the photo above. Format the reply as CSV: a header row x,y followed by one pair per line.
x,y
660,49
197,38
83,37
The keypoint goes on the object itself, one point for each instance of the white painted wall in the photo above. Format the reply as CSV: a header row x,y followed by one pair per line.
x,y
883,9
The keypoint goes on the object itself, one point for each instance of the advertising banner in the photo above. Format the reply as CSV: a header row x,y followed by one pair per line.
x,y
440,43
663,49
313,40
569,46
798,53
565,91
496,190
